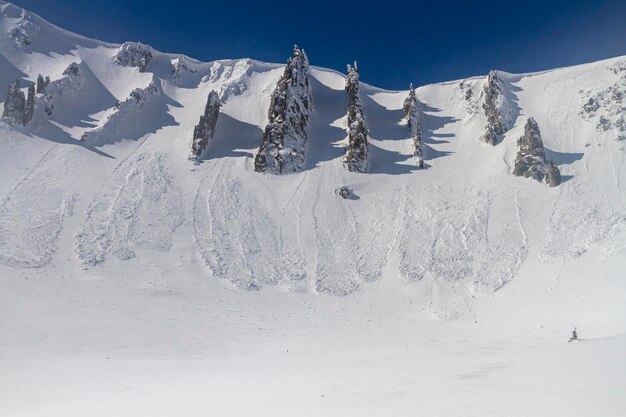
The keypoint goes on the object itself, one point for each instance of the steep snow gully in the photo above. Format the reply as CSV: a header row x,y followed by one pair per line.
x,y
444,285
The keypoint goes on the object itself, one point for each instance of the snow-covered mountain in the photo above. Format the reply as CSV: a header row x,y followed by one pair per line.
x,y
114,243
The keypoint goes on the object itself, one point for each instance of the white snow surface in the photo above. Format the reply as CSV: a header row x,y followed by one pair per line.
x,y
134,282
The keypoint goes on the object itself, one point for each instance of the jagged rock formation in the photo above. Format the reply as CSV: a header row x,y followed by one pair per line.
x,y
412,115
205,129
283,145
356,151
17,107
14,103
496,109
42,83
553,175
133,54
531,158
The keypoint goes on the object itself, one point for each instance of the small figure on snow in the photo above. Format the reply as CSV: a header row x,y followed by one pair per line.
x,y
574,335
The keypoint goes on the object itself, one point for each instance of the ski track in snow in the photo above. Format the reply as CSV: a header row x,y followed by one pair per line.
x,y
467,252
140,209
239,240
32,215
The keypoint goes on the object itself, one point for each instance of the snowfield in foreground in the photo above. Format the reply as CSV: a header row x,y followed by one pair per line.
x,y
136,282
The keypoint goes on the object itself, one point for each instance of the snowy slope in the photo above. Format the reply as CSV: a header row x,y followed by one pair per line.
x,y
135,282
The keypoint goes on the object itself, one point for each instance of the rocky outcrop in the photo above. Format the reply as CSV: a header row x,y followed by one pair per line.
x,y
205,129
18,108
133,54
282,148
531,158
29,109
497,109
553,175
355,159
412,115
14,104
42,83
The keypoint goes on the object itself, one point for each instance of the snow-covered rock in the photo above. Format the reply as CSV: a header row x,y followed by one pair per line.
x,y
134,54
282,148
412,115
497,109
355,158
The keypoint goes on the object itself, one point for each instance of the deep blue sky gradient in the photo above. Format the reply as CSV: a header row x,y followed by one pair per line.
x,y
395,42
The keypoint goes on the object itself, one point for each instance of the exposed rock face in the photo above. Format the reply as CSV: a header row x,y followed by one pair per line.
x,y
282,148
72,69
412,115
356,151
553,175
531,158
29,109
205,129
607,107
14,104
42,83
133,54
496,108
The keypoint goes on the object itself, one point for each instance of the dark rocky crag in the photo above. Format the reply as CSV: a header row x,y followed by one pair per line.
x,y
494,108
205,129
531,158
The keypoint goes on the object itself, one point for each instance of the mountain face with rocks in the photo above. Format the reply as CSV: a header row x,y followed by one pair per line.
x,y
531,161
355,158
412,116
496,108
205,129
282,148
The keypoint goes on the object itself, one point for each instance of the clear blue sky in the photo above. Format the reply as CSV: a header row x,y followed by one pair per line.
x,y
395,42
